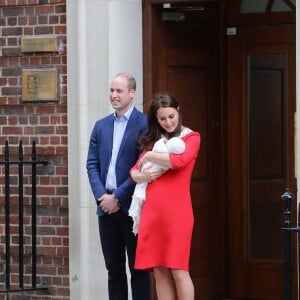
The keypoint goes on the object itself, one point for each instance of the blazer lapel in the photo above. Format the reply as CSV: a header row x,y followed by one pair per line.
x,y
110,134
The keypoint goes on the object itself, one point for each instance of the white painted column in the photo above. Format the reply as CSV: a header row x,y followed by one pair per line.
x,y
104,37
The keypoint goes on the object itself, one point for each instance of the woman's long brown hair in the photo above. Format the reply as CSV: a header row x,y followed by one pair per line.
x,y
160,99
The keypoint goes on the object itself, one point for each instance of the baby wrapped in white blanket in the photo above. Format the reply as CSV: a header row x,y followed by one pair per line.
x,y
174,145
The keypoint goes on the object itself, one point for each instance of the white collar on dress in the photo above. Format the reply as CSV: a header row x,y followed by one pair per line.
x,y
184,131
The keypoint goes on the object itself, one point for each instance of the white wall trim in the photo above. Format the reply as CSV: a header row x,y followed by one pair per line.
x,y
104,37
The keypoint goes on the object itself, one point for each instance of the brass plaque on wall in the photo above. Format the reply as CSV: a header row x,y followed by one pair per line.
x,y
39,85
39,44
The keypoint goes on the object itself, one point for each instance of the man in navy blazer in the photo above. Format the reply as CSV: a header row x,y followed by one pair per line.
x,y
113,150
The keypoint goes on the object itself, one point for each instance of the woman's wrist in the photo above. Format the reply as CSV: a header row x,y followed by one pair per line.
x,y
143,176
138,176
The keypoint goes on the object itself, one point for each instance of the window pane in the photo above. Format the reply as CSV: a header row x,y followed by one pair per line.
x,y
259,6
253,6
279,5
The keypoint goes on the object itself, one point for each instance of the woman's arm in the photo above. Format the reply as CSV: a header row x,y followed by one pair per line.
x,y
162,159
145,174
139,177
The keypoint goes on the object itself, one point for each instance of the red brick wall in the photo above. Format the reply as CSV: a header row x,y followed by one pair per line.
x,y
46,124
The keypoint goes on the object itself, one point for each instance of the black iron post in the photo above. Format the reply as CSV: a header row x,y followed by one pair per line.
x,y
21,218
7,219
33,214
287,197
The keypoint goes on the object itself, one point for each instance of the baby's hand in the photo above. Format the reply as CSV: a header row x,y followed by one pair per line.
x,y
144,161
146,166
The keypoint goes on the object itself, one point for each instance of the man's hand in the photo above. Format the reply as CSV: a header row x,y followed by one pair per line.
x,y
109,203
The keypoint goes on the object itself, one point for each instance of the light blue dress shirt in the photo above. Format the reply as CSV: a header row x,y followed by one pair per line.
x,y
119,129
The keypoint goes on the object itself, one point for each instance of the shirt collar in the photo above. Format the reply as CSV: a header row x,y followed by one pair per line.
x,y
126,116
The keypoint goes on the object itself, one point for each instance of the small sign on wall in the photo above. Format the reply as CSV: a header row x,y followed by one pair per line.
x,y
39,44
39,85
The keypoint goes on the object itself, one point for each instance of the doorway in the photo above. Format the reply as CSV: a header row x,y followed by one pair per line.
x,y
225,85
185,58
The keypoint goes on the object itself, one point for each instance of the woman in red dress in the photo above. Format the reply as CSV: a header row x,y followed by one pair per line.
x,y
166,222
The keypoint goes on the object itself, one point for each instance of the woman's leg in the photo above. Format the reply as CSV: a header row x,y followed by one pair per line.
x,y
164,284
184,284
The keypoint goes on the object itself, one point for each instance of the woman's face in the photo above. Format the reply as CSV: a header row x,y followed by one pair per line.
x,y
168,118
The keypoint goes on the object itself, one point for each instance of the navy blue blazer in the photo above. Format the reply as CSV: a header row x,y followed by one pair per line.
x,y
99,156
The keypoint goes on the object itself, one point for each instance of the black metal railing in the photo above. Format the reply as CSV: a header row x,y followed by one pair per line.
x,y
288,197
20,163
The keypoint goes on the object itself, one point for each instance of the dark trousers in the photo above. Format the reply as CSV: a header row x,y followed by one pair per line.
x,y
116,239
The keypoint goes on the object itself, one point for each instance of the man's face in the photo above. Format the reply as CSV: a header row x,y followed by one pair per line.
x,y
120,97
